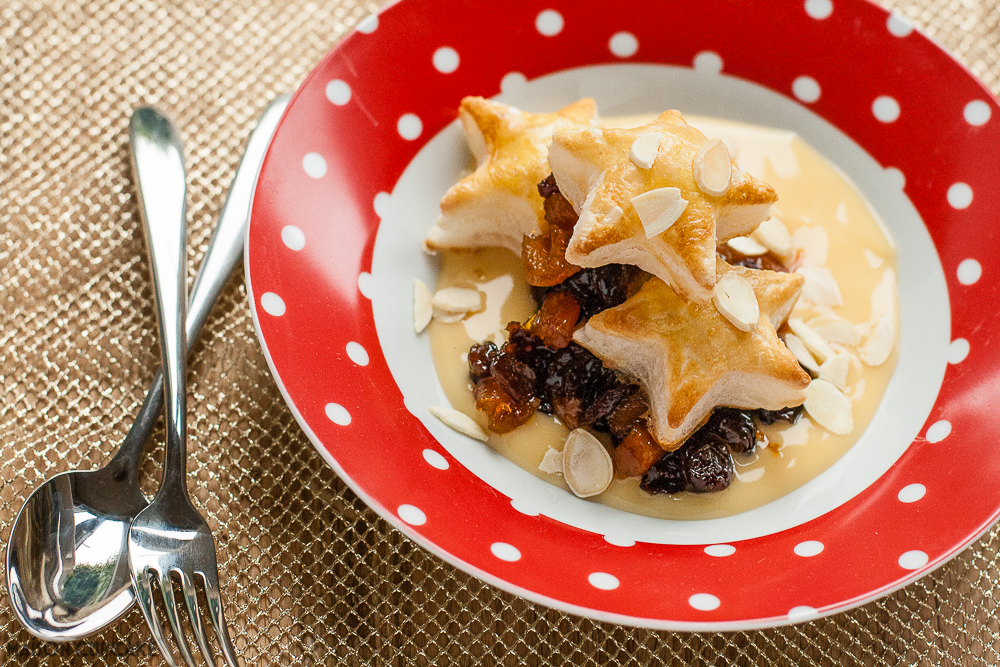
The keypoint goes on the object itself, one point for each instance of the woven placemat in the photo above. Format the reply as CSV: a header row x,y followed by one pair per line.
x,y
311,576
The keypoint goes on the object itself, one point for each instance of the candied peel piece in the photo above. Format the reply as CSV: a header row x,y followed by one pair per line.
x,y
637,452
503,413
555,321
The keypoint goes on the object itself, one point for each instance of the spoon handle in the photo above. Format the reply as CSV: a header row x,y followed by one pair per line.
x,y
224,252
158,164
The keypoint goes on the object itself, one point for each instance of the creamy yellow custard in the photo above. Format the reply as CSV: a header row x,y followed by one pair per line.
x,y
831,226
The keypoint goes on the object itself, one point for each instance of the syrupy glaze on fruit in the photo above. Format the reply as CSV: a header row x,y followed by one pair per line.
x,y
829,222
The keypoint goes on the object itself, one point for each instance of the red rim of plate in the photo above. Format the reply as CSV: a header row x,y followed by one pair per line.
x,y
371,104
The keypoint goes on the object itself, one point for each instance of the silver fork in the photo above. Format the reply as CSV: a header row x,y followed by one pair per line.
x,y
170,538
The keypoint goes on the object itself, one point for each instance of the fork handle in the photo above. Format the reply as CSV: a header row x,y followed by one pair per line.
x,y
158,163
224,252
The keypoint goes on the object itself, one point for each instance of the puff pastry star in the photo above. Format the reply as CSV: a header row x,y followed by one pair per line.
x,y
602,172
691,359
499,204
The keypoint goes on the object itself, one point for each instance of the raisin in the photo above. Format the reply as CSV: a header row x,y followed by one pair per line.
x,y
502,412
708,464
733,427
555,322
768,261
575,372
789,415
600,288
548,187
515,377
606,403
637,452
626,412
559,212
668,475
481,356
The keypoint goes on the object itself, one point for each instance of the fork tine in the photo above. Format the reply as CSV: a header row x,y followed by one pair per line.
x,y
191,598
167,588
219,619
144,594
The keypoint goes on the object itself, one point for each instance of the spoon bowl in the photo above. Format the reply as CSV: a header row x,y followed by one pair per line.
x,y
67,558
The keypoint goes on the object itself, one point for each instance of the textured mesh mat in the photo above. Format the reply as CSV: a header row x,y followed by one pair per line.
x,y
310,575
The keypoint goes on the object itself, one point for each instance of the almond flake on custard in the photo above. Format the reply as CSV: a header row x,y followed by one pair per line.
x,y
829,408
773,234
880,342
498,204
595,173
423,309
586,464
690,359
835,370
746,245
816,343
459,421
802,353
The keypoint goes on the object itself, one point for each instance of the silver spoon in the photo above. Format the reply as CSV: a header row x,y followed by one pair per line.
x,y
67,559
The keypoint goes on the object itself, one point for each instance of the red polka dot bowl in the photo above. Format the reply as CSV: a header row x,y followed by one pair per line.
x,y
350,186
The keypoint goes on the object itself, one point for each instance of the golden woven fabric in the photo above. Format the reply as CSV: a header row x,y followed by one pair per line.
x,y
310,575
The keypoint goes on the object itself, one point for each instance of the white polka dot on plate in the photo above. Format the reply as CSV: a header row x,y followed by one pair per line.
x,y
808,548
897,179
898,26
806,89
524,508
603,581
977,113
720,550
885,109
412,515
549,23
368,25
381,204
704,601
912,560
338,92
445,60
708,62
938,431
504,551
293,237
272,304
802,613
969,272
960,195
314,165
365,284
337,413
409,126
513,81
819,9
958,351
623,44
435,460
357,353
911,493
619,540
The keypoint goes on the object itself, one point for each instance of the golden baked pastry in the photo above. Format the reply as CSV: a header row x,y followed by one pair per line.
x,y
691,359
643,201
499,204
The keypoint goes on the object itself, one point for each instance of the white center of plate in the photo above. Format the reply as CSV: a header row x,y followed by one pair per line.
x,y
622,90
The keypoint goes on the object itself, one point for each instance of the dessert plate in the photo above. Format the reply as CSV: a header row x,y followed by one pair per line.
x,y
349,188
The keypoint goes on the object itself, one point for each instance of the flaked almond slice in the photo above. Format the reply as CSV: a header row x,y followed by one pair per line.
x,y
457,300
735,299
773,234
659,209
644,149
802,353
835,369
587,466
746,245
552,462
713,168
816,343
820,287
459,421
423,309
835,329
445,317
880,342
829,408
